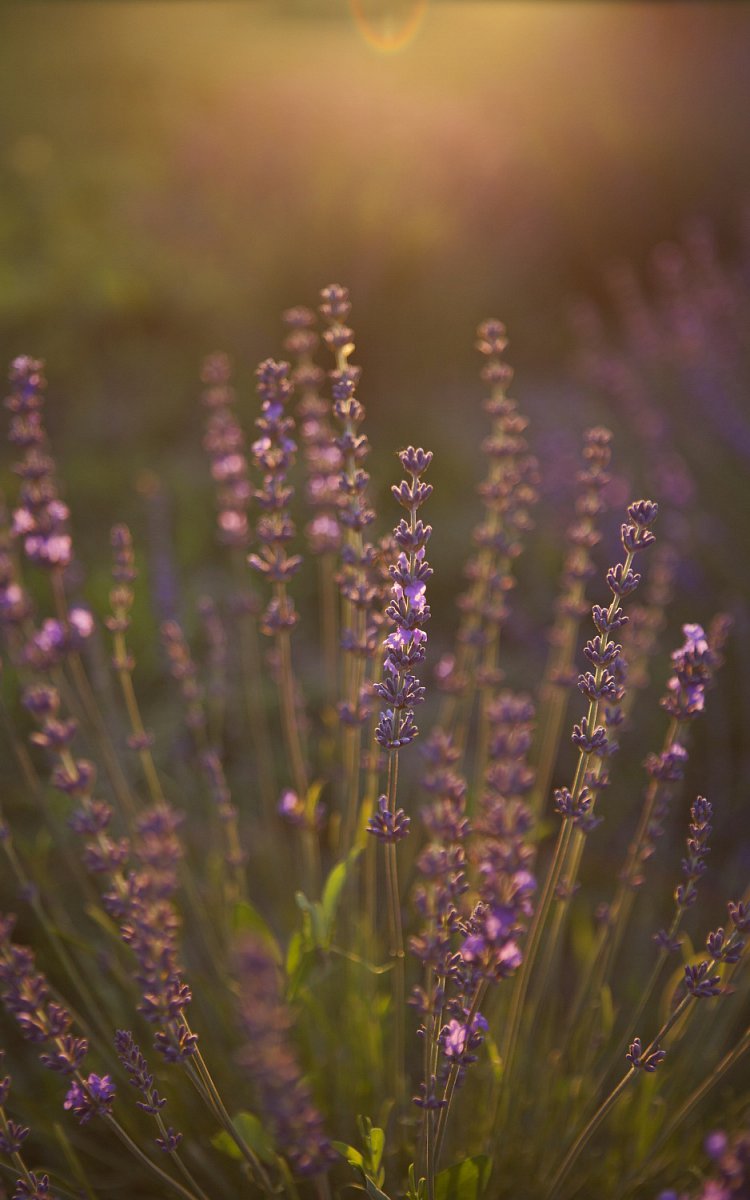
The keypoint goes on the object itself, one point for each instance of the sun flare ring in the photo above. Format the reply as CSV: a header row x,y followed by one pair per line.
x,y
387,26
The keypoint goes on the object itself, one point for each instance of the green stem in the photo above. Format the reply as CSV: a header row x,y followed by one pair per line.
x,y
450,1086
136,1151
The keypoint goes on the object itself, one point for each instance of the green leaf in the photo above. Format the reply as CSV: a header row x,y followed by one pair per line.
x,y
313,923
352,1156
357,1161
416,1190
221,1141
377,1146
311,801
293,954
247,919
251,1131
333,888
299,959
465,1180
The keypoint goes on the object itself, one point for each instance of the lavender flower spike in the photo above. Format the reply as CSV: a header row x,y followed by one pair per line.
x,y
408,609
283,1095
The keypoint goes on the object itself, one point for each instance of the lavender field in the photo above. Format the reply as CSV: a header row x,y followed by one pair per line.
x,y
374,652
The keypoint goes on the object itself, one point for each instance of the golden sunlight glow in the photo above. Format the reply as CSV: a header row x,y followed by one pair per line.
x,y
388,25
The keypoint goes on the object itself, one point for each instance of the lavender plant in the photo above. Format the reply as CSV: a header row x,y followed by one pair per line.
x,y
279,949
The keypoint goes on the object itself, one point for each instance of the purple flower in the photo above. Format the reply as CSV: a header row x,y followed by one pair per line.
x,y
93,1098
647,1062
274,453
35,1187
283,1096
716,1144
40,520
224,442
387,826
408,610
454,1039
694,664
12,1140
700,982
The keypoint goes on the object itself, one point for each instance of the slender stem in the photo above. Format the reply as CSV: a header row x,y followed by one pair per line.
x,y
523,978
134,717
329,621
567,855
692,1101
397,939
586,1134
450,1086
294,747
56,943
623,902
250,660
91,708
609,936
216,1102
136,1151
611,1099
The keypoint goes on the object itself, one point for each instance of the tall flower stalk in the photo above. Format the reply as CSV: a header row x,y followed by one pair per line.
x,y
576,804
402,691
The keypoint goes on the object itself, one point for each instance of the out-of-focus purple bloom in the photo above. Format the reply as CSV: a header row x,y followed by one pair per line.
x,y
40,520
224,442
693,664
322,456
716,1143
283,1096
26,995
35,1187
273,453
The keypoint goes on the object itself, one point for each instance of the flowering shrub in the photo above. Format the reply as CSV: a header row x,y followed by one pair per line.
x,y
277,949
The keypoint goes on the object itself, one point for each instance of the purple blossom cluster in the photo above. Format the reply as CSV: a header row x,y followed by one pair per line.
x,y
140,899
27,996
322,456
141,1078
273,454
43,1020
12,1137
283,1096
442,881
693,868
508,493
224,443
501,853
694,864
693,665
359,577
40,521
408,610
582,536
92,1097
603,687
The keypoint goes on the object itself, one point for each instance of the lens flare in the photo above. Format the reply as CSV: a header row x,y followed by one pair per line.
x,y
388,25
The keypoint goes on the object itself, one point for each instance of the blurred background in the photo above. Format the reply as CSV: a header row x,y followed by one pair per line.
x,y
173,175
